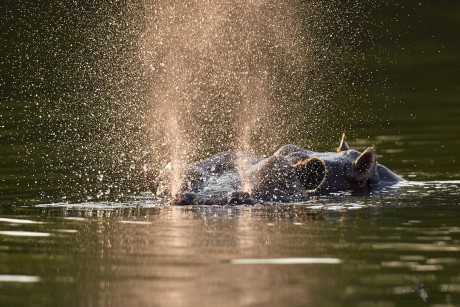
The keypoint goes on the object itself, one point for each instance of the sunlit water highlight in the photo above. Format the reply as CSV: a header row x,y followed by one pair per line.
x,y
288,261
405,193
395,249
24,233
17,221
19,278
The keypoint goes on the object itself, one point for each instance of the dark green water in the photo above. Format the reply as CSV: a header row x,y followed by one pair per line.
x,y
397,247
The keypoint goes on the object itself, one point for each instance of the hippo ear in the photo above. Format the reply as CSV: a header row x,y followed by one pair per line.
x,y
343,144
363,167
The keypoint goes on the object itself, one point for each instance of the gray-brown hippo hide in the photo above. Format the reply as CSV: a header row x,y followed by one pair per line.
x,y
291,174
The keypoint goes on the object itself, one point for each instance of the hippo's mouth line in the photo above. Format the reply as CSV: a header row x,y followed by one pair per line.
x,y
229,198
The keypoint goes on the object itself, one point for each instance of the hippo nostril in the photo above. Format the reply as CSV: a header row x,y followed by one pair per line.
x,y
310,172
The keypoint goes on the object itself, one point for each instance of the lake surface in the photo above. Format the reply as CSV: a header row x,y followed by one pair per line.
x,y
62,244
399,247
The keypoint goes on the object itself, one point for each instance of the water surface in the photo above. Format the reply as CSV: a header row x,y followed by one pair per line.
x,y
63,242
398,247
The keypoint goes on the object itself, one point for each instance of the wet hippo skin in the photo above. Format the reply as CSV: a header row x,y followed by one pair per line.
x,y
291,174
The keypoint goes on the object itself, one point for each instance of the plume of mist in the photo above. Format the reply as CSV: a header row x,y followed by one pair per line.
x,y
222,74
119,89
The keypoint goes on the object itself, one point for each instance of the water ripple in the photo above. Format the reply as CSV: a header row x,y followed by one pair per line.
x,y
416,247
19,278
24,233
287,261
18,221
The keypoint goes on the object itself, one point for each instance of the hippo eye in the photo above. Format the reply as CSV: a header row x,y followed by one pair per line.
x,y
310,172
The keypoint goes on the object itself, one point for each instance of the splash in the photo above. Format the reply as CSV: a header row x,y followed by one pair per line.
x,y
219,76
138,84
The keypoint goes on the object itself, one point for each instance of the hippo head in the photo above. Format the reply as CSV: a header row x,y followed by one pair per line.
x,y
326,172
290,174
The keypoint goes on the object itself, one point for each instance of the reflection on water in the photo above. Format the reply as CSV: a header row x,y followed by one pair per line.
x,y
19,278
389,248
398,246
287,261
24,234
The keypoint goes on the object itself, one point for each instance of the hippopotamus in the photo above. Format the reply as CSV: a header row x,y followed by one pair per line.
x,y
291,174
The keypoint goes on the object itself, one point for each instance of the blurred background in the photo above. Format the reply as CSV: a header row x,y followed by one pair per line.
x,y
74,92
